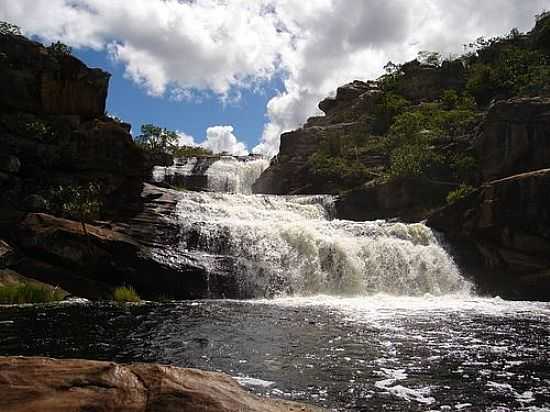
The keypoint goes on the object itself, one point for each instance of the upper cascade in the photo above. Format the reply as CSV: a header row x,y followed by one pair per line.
x,y
290,245
233,174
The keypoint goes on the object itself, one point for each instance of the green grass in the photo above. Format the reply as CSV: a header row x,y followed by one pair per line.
x,y
28,293
126,294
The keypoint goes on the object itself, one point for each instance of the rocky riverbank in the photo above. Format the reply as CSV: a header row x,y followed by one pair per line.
x,y
45,384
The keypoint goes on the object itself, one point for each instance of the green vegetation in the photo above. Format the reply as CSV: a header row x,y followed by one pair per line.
x,y
426,132
125,294
8,28
190,151
82,203
28,293
460,193
27,125
59,49
155,139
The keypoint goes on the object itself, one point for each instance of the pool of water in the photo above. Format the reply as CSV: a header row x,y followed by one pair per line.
x,y
369,353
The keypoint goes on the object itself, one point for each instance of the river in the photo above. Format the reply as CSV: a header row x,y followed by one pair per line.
x,y
346,315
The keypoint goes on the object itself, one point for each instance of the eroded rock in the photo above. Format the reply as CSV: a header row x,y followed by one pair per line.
x,y
44,384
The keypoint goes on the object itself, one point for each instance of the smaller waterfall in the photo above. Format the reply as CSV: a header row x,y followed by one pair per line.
x,y
288,244
218,174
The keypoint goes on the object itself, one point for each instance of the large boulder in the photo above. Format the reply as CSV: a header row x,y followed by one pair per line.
x,y
502,234
44,384
35,79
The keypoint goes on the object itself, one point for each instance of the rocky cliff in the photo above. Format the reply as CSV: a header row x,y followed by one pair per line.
x,y
501,232
54,134
463,143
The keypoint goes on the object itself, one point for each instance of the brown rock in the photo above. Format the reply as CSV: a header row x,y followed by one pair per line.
x,y
32,79
43,384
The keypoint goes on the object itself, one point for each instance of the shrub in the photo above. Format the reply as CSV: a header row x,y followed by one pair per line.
x,y
28,293
190,151
82,203
461,192
28,125
59,49
125,294
414,160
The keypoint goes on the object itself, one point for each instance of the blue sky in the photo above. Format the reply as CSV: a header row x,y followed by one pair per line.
x,y
132,104
295,52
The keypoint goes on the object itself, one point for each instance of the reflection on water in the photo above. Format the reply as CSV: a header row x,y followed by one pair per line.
x,y
376,353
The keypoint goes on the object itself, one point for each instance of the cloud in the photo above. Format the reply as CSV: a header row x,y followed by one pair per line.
x,y
185,139
182,49
219,139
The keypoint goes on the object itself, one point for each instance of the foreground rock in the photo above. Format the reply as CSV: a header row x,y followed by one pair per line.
x,y
43,384
502,234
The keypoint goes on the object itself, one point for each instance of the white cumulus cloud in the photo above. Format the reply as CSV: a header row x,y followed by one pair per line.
x,y
219,139
182,48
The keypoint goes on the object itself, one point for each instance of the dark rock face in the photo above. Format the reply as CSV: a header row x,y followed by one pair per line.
x,y
44,384
515,138
423,82
34,80
53,131
408,198
502,233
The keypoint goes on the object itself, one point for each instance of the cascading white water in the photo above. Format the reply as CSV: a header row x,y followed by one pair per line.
x,y
183,167
225,174
290,245
230,174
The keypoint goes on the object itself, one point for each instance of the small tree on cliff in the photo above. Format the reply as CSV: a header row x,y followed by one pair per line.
x,y
157,139
82,203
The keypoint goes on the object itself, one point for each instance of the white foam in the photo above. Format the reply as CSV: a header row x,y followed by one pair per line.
x,y
248,381
290,244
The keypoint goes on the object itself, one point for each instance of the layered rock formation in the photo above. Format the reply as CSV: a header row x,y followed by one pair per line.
x,y
44,384
36,79
345,114
54,133
502,231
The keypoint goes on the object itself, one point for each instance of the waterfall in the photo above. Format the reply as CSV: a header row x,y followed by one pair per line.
x,y
213,173
290,245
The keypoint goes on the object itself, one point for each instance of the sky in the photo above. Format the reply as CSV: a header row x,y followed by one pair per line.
x,y
232,75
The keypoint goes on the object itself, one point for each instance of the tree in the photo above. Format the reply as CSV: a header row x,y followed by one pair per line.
x,y
60,49
8,28
157,139
82,203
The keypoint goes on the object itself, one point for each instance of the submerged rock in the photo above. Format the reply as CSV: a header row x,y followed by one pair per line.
x,y
44,384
